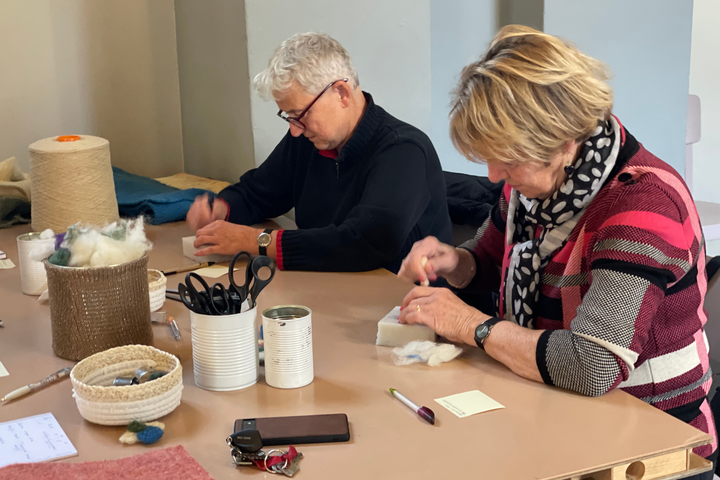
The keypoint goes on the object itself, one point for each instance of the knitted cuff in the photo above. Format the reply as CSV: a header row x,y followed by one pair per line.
x,y
541,356
278,246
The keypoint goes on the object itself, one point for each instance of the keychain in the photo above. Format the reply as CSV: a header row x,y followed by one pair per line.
x,y
246,449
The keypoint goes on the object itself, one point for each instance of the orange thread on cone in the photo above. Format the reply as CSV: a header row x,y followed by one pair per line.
x,y
68,138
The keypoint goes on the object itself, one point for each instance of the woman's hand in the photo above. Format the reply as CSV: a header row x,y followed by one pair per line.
x,y
443,312
202,214
428,259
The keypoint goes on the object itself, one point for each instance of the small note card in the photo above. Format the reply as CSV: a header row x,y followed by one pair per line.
x,y
33,439
3,370
6,264
469,403
214,271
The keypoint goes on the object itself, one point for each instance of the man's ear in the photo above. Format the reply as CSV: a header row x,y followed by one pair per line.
x,y
344,91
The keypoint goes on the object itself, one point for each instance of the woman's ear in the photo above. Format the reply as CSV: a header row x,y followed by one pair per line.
x,y
571,147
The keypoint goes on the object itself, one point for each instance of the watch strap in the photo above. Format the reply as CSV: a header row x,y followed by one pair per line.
x,y
490,323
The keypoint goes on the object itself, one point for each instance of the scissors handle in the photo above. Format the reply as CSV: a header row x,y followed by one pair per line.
x,y
219,299
259,284
186,298
241,290
203,303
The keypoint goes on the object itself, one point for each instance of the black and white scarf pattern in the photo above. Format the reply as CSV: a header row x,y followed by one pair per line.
x,y
557,215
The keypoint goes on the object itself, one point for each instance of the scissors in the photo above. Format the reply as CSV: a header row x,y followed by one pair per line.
x,y
253,284
212,301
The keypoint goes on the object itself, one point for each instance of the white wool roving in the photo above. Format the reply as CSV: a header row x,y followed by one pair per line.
x,y
432,353
42,250
104,248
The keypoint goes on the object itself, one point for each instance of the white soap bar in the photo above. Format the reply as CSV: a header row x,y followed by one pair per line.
x,y
391,333
189,251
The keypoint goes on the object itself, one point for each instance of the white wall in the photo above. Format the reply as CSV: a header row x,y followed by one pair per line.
x,y
106,68
457,40
460,33
646,43
214,88
389,43
705,83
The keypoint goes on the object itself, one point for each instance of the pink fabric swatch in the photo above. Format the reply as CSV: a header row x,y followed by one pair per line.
x,y
166,464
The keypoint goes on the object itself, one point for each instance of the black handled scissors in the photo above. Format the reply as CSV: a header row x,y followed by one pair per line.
x,y
212,301
253,284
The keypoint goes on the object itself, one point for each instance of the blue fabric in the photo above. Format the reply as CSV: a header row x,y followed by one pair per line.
x,y
159,203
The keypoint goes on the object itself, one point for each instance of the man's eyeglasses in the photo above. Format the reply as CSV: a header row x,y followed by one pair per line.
x,y
296,120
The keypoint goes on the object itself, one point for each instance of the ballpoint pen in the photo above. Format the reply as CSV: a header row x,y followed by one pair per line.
x,y
174,330
34,386
162,317
188,268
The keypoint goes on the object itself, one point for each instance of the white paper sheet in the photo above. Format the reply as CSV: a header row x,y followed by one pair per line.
x,y
33,439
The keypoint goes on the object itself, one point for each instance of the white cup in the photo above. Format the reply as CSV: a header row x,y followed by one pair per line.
x,y
33,278
287,334
225,350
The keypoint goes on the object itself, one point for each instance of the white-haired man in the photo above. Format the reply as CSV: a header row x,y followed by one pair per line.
x,y
365,186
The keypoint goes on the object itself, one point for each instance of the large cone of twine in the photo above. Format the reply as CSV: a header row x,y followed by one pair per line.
x,y
72,181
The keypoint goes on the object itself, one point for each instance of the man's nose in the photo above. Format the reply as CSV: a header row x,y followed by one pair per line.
x,y
296,131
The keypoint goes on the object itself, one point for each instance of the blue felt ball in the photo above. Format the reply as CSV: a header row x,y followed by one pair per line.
x,y
150,435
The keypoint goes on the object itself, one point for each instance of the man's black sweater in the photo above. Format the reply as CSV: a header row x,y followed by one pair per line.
x,y
360,211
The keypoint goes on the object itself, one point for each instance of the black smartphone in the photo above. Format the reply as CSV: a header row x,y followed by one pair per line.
x,y
298,429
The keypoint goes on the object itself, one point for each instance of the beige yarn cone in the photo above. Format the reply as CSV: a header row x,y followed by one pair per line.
x,y
72,181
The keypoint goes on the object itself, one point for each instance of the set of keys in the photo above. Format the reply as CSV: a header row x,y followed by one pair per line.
x,y
246,449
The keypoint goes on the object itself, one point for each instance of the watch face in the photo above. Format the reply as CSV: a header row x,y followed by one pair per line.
x,y
482,331
264,239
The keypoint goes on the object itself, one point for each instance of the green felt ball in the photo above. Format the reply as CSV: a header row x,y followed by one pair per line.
x,y
136,426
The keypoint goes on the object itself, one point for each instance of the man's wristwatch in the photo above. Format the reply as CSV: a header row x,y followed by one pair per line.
x,y
264,240
483,331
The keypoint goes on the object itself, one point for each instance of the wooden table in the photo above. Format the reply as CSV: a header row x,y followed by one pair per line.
x,y
543,433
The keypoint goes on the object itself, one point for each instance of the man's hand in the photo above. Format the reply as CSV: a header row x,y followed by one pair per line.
x,y
201,214
226,238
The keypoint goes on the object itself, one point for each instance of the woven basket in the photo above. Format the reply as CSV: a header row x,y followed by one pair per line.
x,y
156,284
99,402
93,309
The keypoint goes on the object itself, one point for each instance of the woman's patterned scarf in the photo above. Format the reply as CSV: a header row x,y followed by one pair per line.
x,y
552,220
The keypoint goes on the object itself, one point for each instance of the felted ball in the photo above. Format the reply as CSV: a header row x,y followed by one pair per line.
x,y
136,426
150,435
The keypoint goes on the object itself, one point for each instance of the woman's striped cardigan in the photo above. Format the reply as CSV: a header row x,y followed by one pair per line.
x,y
622,300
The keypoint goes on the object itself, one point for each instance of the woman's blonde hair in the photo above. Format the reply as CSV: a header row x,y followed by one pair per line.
x,y
529,96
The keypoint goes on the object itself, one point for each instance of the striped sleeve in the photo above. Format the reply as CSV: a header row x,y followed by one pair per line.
x,y
641,249
487,247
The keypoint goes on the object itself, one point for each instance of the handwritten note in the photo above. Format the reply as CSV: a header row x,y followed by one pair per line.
x,y
33,439
469,403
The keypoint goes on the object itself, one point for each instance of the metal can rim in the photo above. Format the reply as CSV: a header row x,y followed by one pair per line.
x,y
265,312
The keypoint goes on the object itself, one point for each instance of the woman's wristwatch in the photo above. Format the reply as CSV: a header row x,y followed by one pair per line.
x,y
482,331
264,240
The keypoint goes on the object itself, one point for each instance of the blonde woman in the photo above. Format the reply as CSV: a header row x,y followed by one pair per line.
x,y
595,246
